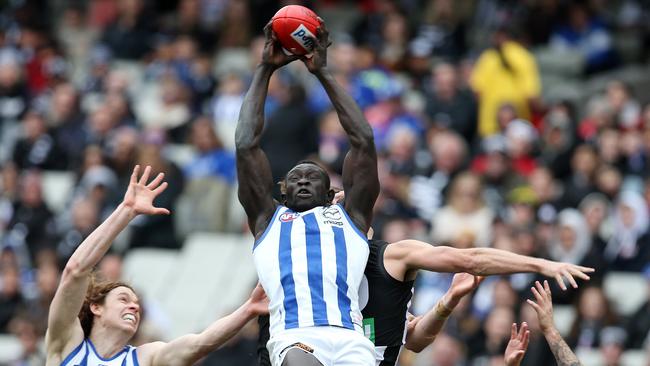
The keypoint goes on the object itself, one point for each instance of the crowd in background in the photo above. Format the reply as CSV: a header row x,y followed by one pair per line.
x,y
472,151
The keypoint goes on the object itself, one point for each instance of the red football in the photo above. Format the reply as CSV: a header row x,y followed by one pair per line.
x,y
295,27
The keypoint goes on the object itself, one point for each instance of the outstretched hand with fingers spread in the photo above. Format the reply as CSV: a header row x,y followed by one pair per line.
x,y
543,305
566,271
518,344
140,195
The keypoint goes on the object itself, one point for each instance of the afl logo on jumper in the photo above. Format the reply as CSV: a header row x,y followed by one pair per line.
x,y
304,37
289,216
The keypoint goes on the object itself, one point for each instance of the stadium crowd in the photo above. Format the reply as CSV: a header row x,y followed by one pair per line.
x,y
519,125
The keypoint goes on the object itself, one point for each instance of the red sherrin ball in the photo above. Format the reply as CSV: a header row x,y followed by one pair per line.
x,y
295,27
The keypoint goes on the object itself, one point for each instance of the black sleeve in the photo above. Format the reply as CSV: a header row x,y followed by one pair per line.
x,y
262,352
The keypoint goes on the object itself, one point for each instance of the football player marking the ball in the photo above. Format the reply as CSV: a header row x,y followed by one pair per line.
x,y
309,254
91,324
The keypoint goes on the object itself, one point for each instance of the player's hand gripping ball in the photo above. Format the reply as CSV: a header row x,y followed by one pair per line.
x,y
295,27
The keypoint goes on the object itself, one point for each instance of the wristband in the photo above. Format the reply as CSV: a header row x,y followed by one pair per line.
x,y
442,311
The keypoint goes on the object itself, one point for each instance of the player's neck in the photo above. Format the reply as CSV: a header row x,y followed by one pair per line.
x,y
108,342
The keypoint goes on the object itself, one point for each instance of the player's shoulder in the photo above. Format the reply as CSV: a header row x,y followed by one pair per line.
x,y
58,348
147,351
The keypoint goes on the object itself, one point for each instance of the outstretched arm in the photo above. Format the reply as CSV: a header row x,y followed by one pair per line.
x,y
64,327
414,255
253,168
360,179
188,349
544,309
422,331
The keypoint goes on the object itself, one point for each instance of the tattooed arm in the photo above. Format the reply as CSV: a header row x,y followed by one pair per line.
x,y
563,354
544,309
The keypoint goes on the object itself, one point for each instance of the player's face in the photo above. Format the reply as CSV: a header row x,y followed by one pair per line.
x,y
121,310
306,188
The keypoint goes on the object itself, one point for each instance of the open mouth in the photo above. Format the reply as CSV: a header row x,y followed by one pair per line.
x,y
303,193
129,317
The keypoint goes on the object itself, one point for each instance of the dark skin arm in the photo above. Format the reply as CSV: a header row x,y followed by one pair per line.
x,y
253,168
360,180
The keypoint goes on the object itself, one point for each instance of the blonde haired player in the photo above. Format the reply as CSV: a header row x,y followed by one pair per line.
x,y
91,324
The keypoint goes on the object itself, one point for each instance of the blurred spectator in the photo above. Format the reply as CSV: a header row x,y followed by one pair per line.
x,y
580,183
85,217
235,28
333,144
558,139
129,36
427,188
521,137
495,167
14,98
8,194
122,153
28,334
443,29
290,132
626,110
449,106
497,331
505,73
157,231
638,325
110,267
585,32
598,116
574,244
447,351
67,120
465,216
11,299
99,185
76,37
47,280
629,247
166,106
32,220
608,181
612,345
595,208
548,192
395,34
593,314
187,20
227,102
38,149
212,161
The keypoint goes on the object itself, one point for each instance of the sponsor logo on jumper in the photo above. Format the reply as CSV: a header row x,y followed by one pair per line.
x,y
332,213
304,37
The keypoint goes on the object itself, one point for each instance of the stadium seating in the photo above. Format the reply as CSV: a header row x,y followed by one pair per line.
x,y
57,189
149,269
10,348
626,291
563,316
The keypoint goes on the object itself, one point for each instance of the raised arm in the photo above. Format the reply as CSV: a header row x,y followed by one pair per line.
x,y
422,331
517,346
544,309
360,179
188,349
410,255
64,328
253,168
